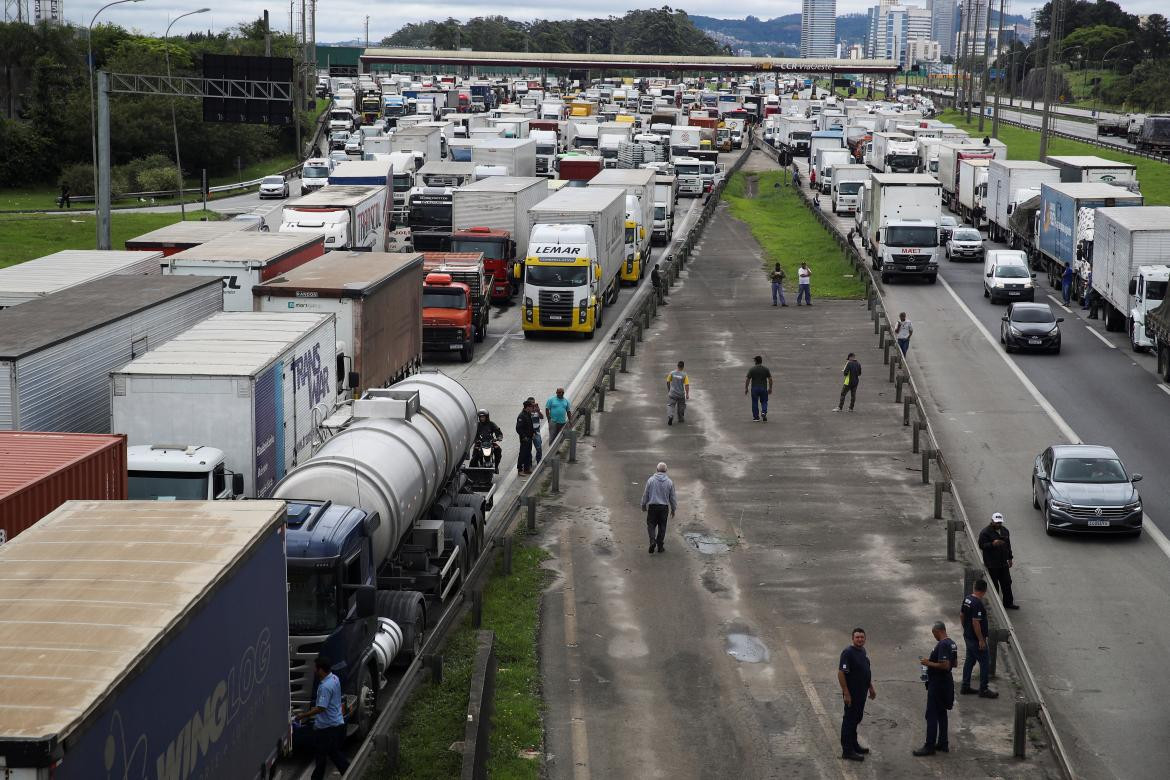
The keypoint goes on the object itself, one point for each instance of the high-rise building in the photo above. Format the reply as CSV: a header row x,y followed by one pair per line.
x,y
891,26
818,28
943,15
973,12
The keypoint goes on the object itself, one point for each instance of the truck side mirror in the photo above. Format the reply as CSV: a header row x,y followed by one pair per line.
x,y
237,484
1132,286
366,598
353,379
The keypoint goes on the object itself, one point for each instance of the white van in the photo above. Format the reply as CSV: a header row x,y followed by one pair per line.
x,y
1006,276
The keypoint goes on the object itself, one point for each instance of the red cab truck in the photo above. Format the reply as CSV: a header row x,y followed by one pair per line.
x,y
578,169
491,217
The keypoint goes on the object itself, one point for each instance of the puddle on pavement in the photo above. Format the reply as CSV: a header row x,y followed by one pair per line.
x,y
707,544
746,648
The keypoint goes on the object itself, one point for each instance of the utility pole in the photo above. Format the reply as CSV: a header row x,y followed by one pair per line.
x,y
999,81
964,60
1055,35
986,61
368,32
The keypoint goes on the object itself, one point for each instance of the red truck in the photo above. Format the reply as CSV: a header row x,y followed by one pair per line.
x,y
455,307
579,168
491,217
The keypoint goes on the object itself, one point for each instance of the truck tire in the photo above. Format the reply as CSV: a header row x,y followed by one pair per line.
x,y
1164,361
1114,321
407,608
480,333
469,516
455,533
468,352
366,704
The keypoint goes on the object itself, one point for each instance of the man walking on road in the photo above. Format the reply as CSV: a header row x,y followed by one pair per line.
x,y
656,283
973,617
526,431
759,384
804,276
658,502
559,412
903,330
940,690
328,721
778,277
996,543
856,681
678,392
852,374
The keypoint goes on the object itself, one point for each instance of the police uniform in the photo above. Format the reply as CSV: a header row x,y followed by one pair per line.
x,y
854,665
973,610
940,693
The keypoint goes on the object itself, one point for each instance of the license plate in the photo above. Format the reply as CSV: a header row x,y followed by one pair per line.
x,y
1033,341
454,346
1013,293
911,268
554,317
1099,522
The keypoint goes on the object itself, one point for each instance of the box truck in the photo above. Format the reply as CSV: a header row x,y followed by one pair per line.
x,y
575,254
1131,267
824,162
845,187
376,300
245,260
44,470
578,168
950,155
665,196
57,352
1065,226
901,221
516,155
491,216
37,278
973,191
177,236
639,184
455,305
426,141
892,153
824,139
351,217
1089,168
1010,183
179,611
253,384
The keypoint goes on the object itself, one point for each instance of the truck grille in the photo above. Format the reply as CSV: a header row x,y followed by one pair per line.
x,y
910,259
1090,512
303,651
542,165
441,336
556,313
1013,286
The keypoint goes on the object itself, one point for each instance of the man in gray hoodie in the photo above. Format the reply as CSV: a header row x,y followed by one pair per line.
x,y
659,503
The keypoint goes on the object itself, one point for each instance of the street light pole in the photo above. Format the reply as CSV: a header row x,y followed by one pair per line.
x,y
103,236
174,122
1105,56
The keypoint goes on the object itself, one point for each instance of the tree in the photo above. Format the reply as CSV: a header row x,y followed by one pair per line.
x,y
1095,41
1153,37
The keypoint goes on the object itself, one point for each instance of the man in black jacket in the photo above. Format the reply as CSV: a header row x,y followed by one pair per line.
x,y
996,543
526,431
852,378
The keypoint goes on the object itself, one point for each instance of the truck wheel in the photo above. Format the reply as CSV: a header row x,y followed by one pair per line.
x,y
932,278
455,532
408,610
468,352
367,703
469,517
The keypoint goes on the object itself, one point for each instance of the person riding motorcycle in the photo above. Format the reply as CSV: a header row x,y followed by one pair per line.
x,y
486,429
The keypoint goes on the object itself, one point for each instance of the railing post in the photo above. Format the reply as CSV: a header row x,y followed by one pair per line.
x,y
952,533
588,422
572,445
926,453
916,428
939,489
601,397
624,367
1020,730
886,352
612,374
907,399
556,474
893,368
508,554
630,336
998,635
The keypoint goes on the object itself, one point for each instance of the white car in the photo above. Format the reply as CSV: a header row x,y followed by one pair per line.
x,y
273,187
354,144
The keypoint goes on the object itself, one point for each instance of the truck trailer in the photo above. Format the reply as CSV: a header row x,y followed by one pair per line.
x,y
177,236
37,278
377,302
182,636
352,217
1010,183
639,184
250,383
1131,267
491,216
1065,233
57,352
1093,169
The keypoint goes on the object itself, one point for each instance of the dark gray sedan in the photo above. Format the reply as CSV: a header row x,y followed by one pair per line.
x,y
1030,326
1085,488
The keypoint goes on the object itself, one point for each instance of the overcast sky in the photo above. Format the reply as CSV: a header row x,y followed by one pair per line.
x,y
339,20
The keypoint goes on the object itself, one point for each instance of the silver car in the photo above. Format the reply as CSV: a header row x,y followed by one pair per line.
x,y
1085,488
273,187
965,244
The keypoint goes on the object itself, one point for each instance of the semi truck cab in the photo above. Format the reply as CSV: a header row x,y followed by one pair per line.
x,y
180,472
562,280
635,233
429,218
690,176
448,324
1147,290
499,255
908,247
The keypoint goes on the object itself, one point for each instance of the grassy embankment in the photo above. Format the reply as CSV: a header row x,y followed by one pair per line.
x,y
1154,175
436,716
25,236
789,234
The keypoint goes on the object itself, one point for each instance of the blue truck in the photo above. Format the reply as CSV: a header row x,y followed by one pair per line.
x,y
384,522
1064,226
158,653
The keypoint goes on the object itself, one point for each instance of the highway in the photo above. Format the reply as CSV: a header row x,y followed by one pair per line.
x,y
1091,618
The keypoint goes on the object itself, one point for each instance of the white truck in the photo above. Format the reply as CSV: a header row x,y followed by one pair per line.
x,y
950,154
1131,266
546,152
972,191
427,141
574,259
825,161
845,186
901,217
610,137
491,216
637,183
689,171
738,128
1010,183
892,153
665,195
516,155
351,216
794,133
928,155
252,384
684,139
34,279
1088,168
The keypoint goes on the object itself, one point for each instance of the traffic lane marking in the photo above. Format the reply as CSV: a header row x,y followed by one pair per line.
x,y
1102,339
496,347
1059,303
1164,388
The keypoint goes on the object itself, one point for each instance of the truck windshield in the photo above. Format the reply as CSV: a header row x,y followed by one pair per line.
x,y
340,116
631,235
910,236
167,486
1012,272
439,298
546,149
403,182
314,172
557,276
312,600
800,135
430,215
585,143
660,212
489,248
687,170
849,187
1155,291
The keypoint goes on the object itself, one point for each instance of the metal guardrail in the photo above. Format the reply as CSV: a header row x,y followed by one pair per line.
x,y
908,394
503,519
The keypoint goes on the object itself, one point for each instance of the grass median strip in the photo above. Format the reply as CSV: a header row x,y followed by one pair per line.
x,y
789,234
27,236
1153,175
436,716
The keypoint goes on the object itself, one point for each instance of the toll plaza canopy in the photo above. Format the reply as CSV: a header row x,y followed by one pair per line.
x,y
657,62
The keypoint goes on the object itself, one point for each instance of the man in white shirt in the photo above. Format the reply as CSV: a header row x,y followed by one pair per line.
x,y
903,330
804,277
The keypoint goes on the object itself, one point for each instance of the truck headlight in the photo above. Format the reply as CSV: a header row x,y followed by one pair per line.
x,y
583,311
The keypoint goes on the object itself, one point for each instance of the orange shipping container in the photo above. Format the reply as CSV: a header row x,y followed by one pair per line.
x,y
41,471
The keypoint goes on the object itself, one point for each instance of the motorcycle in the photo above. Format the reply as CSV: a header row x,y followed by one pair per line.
x,y
483,455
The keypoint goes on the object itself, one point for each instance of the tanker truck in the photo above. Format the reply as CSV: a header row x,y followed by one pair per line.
x,y
384,522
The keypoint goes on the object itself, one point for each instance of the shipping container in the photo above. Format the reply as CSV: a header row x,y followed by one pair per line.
x,y
377,300
249,383
37,278
57,352
174,238
245,260
145,639
41,471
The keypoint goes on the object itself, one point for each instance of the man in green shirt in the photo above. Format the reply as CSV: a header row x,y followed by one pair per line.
x,y
759,384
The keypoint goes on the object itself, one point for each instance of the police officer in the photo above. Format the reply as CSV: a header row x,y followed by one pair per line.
x,y
855,679
973,617
940,690
996,543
